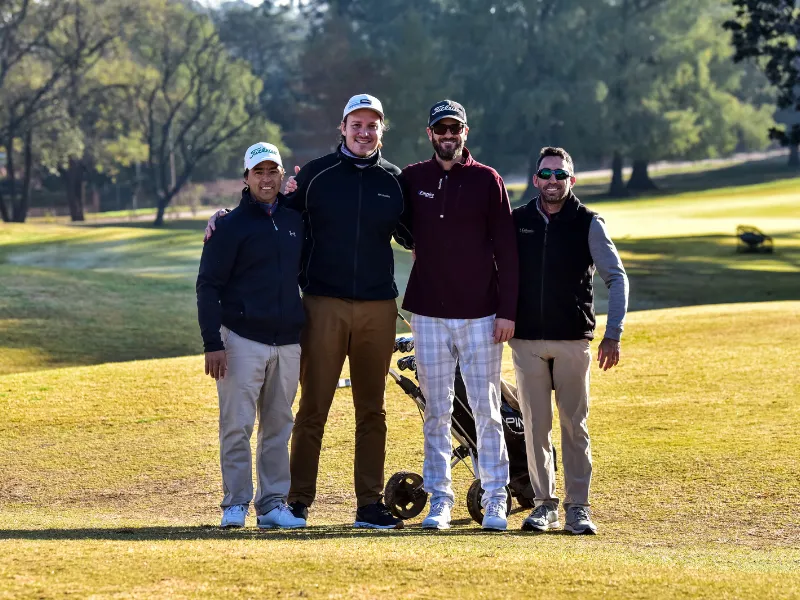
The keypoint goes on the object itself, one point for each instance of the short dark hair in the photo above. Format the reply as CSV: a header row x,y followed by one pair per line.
x,y
560,153
247,172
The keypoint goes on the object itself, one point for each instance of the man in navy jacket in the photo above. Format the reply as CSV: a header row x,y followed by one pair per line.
x,y
250,315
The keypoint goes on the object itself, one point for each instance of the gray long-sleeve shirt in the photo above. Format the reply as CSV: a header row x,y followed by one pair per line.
x,y
609,265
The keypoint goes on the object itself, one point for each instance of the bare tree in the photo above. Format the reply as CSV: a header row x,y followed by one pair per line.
x,y
199,100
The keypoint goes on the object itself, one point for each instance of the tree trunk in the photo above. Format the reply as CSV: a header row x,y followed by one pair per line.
x,y
10,176
617,188
74,186
162,206
640,180
21,208
3,209
794,155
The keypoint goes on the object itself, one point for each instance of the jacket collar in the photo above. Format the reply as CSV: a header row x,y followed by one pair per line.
x,y
370,161
251,203
568,212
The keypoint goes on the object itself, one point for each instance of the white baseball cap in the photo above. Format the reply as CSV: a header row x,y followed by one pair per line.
x,y
258,153
360,101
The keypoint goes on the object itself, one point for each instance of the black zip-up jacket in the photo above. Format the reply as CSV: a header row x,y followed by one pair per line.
x,y
351,213
248,276
556,297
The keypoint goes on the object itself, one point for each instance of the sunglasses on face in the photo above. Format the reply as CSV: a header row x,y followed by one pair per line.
x,y
441,128
560,174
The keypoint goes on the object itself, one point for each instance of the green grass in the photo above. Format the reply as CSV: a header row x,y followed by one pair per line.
x,y
109,477
102,288
110,482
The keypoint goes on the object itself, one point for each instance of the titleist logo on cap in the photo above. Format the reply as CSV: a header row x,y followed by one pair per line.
x,y
366,101
439,109
261,150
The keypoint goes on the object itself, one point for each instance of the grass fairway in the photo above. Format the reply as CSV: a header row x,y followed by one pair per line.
x,y
110,482
109,476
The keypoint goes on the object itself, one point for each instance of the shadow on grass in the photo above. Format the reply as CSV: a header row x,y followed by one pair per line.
x,y
210,532
68,317
177,224
685,271
747,173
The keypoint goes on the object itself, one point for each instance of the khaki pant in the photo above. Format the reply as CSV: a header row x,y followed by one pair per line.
x,y
571,362
336,328
261,381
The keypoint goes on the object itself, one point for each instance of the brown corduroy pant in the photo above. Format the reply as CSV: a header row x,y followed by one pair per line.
x,y
335,329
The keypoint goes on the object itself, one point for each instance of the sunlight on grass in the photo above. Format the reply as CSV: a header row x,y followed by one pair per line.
x,y
111,472
109,469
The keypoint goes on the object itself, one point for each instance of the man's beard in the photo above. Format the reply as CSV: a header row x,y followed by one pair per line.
x,y
448,155
554,199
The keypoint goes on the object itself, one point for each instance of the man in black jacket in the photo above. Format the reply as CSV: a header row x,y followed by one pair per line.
x,y
351,202
250,318
560,244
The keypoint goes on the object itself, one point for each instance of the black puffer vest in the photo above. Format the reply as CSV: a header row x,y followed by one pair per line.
x,y
556,298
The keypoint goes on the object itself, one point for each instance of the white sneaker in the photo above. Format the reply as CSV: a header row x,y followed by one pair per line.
x,y
280,517
494,516
542,518
438,517
234,516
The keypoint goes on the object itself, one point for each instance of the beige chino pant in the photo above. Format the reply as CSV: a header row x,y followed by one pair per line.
x,y
572,360
261,382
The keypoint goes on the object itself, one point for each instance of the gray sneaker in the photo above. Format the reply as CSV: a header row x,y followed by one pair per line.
x,y
542,518
579,522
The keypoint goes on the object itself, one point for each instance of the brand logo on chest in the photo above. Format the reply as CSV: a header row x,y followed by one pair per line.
x,y
426,194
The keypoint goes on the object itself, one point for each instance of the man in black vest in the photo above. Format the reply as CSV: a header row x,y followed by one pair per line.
x,y
560,244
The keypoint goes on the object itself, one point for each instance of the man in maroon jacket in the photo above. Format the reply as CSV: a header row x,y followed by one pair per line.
x,y
462,294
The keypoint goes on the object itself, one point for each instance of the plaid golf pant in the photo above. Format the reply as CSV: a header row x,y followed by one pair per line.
x,y
439,344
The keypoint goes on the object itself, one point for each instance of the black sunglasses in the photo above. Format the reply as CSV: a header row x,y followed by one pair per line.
x,y
441,128
560,174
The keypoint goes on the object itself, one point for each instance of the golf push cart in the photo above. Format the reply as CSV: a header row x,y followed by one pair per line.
x,y
404,493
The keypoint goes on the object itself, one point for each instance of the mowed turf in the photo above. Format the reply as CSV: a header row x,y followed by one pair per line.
x,y
109,479
93,294
109,476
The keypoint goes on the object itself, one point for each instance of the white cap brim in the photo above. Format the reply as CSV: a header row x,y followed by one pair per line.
x,y
262,152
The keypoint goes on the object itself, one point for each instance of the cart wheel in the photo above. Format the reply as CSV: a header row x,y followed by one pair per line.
x,y
474,496
404,494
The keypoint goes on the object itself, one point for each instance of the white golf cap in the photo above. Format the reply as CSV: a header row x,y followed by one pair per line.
x,y
258,153
360,101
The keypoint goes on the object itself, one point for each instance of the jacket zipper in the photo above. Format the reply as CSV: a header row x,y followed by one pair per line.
x,y
541,289
444,195
280,279
358,230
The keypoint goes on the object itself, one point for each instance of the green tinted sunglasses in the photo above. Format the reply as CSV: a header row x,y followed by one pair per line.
x,y
560,174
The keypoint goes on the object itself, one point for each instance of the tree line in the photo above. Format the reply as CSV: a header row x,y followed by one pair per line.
x,y
161,93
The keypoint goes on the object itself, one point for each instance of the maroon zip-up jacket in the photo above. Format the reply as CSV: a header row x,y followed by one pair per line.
x,y
465,241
